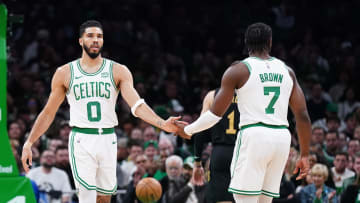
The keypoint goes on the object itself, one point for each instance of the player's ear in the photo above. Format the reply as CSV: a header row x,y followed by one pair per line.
x,y
81,41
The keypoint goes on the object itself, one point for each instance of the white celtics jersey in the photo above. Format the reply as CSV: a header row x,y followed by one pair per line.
x,y
92,96
264,98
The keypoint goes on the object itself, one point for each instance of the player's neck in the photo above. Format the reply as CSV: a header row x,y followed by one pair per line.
x,y
88,63
260,55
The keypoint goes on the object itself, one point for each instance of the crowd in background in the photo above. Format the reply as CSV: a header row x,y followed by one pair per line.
x,y
177,52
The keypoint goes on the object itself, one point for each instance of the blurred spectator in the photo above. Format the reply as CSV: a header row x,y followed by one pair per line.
x,y
150,134
330,114
127,162
287,192
136,134
15,132
340,172
357,132
317,104
180,188
351,193
166,145
342,142
353,147
331,146
356,167
350,121
130,196
62,162
141,160
122,150
151,149
337,90
349,104
64,131
51,180
318,191
318,135
54,143
333,123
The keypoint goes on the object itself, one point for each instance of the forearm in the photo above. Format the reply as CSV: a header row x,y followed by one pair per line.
x,y
148,115
41,124
205,121
303,127
199,140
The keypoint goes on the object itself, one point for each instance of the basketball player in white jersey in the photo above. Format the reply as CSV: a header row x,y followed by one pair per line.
x,y
91,85
265,87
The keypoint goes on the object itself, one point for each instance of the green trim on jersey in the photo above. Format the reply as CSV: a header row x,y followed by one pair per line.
x,y
260,59
263,125
107,192
91,74
93,131
112,75
270,194
74,169
247,65
244,192
237,152
71,77
76,175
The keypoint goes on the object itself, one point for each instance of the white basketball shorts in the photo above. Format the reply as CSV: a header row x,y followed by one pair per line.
x,y
259,159
93,158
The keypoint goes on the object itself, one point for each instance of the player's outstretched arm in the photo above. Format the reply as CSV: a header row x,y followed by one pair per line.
x,y
47,115
198,177
234,77
303,126
139,108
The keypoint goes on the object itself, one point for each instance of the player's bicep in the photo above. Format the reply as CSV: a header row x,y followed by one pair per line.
x,y
297,99
226,92
58,92
208,100
127,89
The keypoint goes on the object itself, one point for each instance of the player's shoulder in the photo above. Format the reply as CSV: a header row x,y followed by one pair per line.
x,y
210,95
238,67
119,66
63,68
120,69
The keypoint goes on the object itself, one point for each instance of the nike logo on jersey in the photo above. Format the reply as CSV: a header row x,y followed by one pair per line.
x,y
114,142
78,77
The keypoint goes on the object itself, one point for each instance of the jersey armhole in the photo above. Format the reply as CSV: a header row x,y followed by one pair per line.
x,y
71,77
249,69
247,65
112,74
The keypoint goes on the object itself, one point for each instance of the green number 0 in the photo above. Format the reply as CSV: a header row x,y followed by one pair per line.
x,y
97,117
270,108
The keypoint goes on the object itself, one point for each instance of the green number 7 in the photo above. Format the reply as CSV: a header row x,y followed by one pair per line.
x,y
270,108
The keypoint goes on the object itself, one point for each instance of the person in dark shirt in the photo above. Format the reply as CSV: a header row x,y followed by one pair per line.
x,y
223,137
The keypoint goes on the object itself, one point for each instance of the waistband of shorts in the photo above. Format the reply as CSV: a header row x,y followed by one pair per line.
x,y
94,131
263,125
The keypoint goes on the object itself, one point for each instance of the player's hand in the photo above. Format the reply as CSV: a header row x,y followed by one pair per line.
x,y
181,125
169,124
26,156
198,176
303,165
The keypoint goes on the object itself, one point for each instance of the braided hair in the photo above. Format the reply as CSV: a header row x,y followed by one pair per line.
x,y
257,38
